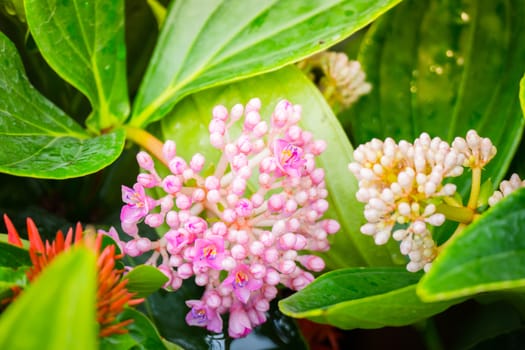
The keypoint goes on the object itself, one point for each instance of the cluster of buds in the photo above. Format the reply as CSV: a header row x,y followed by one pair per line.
x,y
402,186
237,228
342,81
505,188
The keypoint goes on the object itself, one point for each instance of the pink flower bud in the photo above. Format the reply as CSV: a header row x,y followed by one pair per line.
x,y
171,184
217,126
144,160
183,202
147,180
154,220
169,150
177,165
275,203
217,140
197,162
220,112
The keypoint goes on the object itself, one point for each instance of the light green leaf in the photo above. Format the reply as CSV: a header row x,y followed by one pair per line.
x,y
57,311
37,139
489,255
83,41
144,280
445,67
188,126
205,43
362,298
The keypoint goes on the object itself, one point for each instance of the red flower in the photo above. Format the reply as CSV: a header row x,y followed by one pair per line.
x,y
112,295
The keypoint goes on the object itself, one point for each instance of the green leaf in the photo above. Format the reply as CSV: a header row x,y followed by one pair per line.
x,y
188,126
13,256
144,280
83,41
489,255
37,138
12,277
210,42
57,311
522,95
444,67
142,334
362,298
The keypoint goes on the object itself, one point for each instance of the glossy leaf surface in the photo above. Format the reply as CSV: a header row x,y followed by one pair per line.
x,y
188,126
39,320
209,42
362,298
83,41
144,280
489,255
445,67
37,138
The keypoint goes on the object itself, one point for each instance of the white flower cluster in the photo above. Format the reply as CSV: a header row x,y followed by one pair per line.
x,y
343,80
403,184
506,187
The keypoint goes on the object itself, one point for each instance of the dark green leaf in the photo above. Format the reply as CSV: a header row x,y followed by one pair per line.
x,y
362,298
13,256
445,67
37,138
209,42
488,255
144,280
168,310
188,126
142,334
84,43
58,310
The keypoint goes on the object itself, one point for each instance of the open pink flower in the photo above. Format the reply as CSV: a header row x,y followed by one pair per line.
x,y
289,157
138,205
239,324
209,252
242,282
201,315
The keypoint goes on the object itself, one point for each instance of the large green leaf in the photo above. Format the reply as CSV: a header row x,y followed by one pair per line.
x,y
58,310
83,41
444,67
37,139
488,256
209,42
144,280
188,126
362,298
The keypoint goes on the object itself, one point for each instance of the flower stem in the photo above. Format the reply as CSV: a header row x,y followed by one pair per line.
x,y
147,141
460,214
474,190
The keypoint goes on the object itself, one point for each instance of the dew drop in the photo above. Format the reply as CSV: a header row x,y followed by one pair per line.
x,y
413,88
436,69
465,18
449,53
460,61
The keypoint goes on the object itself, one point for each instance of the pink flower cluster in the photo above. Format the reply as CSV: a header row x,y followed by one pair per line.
x,y
238,228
